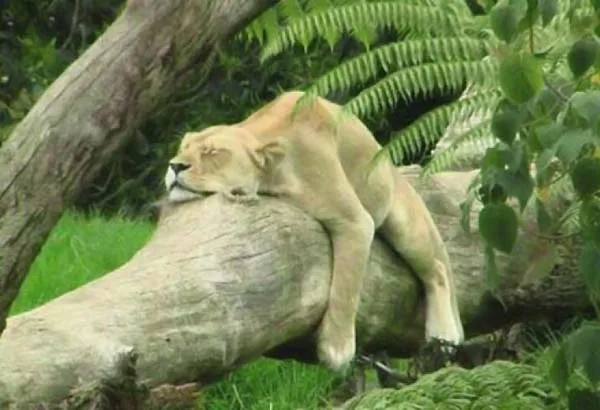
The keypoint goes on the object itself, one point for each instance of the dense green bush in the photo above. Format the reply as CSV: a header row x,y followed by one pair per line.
x,y
39,40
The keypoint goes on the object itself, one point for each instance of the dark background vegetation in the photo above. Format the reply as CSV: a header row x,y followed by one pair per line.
x,y
40,38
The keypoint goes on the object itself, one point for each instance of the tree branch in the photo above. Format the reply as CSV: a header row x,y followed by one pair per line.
x,y
90,111
220,284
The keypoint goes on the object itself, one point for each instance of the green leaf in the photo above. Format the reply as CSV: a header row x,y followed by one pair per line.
x,y
548,9
504,20
586,176
519,185
589,218
507,121
492,193
520,76
572,142
583,347
547,104
549,134
542,161
579,349
491,268
498,225
582,55
543,218
580,399
531,15
586,105
589,267
465,213
560,369
508,168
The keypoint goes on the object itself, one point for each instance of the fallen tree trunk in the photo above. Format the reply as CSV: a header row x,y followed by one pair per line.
x,y
89,112
220,284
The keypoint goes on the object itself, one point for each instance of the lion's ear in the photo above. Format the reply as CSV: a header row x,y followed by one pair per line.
x,y
271,154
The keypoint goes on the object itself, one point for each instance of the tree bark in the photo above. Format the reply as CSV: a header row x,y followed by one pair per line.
x,y
220,284
89,112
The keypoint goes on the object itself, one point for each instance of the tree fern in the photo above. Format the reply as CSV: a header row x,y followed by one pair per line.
x,y
359,16
440,48
390,57
421,80
426,130
465,150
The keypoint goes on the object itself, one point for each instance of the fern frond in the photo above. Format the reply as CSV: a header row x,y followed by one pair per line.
x,y
424,80
428,128
467,148
361,16
390,57
571,222
263,27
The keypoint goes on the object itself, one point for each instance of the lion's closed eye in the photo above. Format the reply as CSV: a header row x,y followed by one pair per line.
x,y
213,158
209,151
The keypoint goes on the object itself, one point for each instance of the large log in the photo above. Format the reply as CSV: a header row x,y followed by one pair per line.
x,y
220,284
89,112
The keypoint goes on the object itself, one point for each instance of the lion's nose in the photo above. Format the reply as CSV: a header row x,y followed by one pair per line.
x,y
177,167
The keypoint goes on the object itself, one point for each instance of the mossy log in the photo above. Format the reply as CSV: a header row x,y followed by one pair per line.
x,y
220,284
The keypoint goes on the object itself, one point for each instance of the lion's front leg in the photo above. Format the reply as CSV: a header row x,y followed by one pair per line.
x,y
351,242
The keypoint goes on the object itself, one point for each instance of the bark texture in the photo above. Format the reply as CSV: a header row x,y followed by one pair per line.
x,y
87,114
220,284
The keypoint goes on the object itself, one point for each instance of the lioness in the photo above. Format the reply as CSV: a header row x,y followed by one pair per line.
x,y
320,165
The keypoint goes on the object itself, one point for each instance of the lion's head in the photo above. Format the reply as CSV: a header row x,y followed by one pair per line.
x,y
219,159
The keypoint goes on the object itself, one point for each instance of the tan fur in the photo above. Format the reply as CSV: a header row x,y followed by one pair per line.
x,y
319,164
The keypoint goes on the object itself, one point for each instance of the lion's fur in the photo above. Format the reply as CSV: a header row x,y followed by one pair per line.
x,y
318,161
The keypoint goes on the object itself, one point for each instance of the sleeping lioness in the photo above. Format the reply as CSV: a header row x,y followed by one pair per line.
x,y
321,165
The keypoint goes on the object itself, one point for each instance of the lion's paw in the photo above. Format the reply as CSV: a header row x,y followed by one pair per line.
x,y
445,330
240,196
336,349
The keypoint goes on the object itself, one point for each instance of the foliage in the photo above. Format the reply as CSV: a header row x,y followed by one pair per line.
x,y
271,384
498,385
412,49
78,250
530,72
548,117
39,40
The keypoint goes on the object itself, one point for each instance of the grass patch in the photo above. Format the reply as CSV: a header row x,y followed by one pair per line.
x,y
271,384
79,249
82,248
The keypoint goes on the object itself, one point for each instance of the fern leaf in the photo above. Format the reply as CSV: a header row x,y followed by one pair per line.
x,y
368,66
427,129
356,16
263,27
425,79
467,148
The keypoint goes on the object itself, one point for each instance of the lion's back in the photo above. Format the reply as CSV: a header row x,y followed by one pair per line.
x,y
317,120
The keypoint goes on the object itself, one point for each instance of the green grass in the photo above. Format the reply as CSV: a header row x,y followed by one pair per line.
x,y
81,248
271,384
78,250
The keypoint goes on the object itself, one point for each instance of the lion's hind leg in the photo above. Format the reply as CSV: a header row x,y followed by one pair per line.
x,y
411,231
